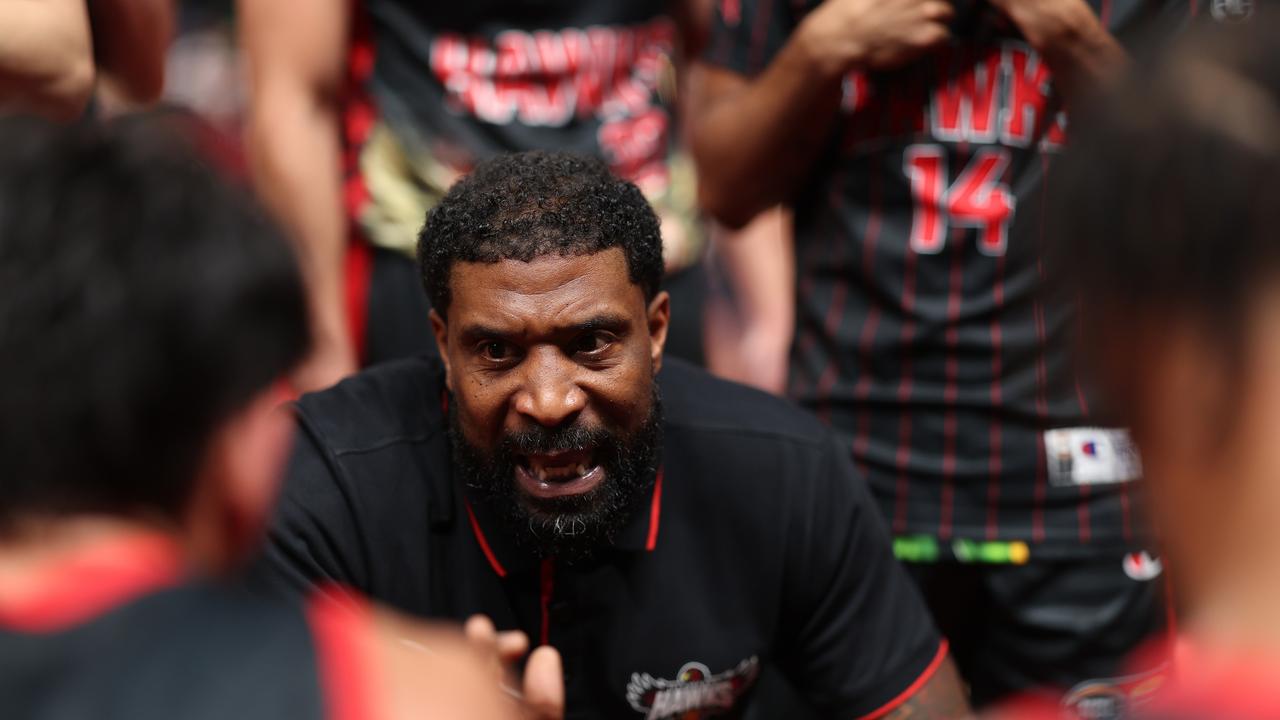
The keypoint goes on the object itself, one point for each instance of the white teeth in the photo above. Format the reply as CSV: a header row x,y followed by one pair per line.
x,y
581,469
540,473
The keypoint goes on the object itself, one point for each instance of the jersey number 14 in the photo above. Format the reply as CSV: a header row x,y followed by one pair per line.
x,y
978,199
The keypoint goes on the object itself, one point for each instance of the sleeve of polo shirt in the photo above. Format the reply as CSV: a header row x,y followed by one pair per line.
x,y
312,539
858,633
747,34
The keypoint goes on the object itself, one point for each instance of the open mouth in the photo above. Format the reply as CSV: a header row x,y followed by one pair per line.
x,y
560,474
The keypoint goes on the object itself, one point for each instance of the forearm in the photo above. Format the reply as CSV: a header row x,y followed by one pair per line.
x,y
1080,52
294,147
756,143
748,328
760,264
46,56
131,39
1090,61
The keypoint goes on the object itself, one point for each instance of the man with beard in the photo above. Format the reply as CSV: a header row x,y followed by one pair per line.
x,y
688,545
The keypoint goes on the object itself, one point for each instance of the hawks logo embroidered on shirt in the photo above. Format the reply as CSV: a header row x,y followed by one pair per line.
x,y
694,693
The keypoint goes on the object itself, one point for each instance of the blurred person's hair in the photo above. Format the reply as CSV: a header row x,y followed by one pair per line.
x,y
1168,201
533,204
143,300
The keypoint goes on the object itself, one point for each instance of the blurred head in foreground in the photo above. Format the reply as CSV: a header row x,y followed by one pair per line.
x,y
147,308
1169,230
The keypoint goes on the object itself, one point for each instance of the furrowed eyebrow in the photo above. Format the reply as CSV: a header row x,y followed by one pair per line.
x,y
474,333
610,323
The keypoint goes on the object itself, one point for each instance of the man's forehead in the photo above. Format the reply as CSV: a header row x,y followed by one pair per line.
x,y
546,284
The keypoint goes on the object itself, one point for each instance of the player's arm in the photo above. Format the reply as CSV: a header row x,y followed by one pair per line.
x,y
860,641
748,328
296,52
1080,52
46,57
756,139
130,41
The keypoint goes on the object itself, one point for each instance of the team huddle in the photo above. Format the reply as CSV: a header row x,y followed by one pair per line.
x,y
1024,466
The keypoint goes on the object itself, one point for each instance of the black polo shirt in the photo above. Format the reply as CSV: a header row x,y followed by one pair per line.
x,y
757,561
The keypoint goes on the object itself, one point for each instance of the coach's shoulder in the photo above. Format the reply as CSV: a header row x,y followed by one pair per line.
x,y
696,400
398,400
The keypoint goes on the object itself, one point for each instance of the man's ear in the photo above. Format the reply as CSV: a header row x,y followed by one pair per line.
x,y
240,479
441,332
659,317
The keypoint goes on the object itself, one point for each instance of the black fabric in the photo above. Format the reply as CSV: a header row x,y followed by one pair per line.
x,y
398,325
1019,628
200,652
939,356
767,547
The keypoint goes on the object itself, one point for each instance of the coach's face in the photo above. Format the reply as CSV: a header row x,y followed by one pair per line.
x,y
551,367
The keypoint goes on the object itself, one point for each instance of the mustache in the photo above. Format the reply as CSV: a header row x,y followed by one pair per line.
x,y
539,440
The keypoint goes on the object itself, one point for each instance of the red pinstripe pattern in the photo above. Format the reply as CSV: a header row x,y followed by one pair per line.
x,y
835,311
1042,373
951,389
903,455
994,437
870,237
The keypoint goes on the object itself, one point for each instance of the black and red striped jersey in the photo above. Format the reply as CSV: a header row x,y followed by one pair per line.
x,y
924,329
435,87
102,638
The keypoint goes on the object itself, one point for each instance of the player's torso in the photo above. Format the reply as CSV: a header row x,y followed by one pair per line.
x,y
928,330
440,86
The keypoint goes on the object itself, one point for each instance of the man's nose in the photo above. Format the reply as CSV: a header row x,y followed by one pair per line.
x,y
550,396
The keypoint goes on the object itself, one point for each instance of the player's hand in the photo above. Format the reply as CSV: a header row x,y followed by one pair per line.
x,y
1048,24
541,692
873,34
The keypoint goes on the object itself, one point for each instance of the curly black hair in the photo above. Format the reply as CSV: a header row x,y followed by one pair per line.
x,y
533,204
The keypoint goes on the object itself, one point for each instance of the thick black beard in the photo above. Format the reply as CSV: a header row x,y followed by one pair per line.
x,y
575,530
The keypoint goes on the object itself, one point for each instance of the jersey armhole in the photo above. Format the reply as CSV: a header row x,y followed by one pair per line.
x,y
343,632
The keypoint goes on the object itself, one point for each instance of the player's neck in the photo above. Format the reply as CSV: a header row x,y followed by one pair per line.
x,y
32,548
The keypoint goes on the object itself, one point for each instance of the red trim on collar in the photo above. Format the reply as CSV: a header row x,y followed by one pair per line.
x,y
914,687
655,513
90,582
484,544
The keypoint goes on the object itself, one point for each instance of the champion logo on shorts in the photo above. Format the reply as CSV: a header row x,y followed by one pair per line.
x,y
1141,566
695,693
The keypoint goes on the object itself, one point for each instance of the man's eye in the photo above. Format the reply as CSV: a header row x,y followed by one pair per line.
x,y
495,351
592,343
